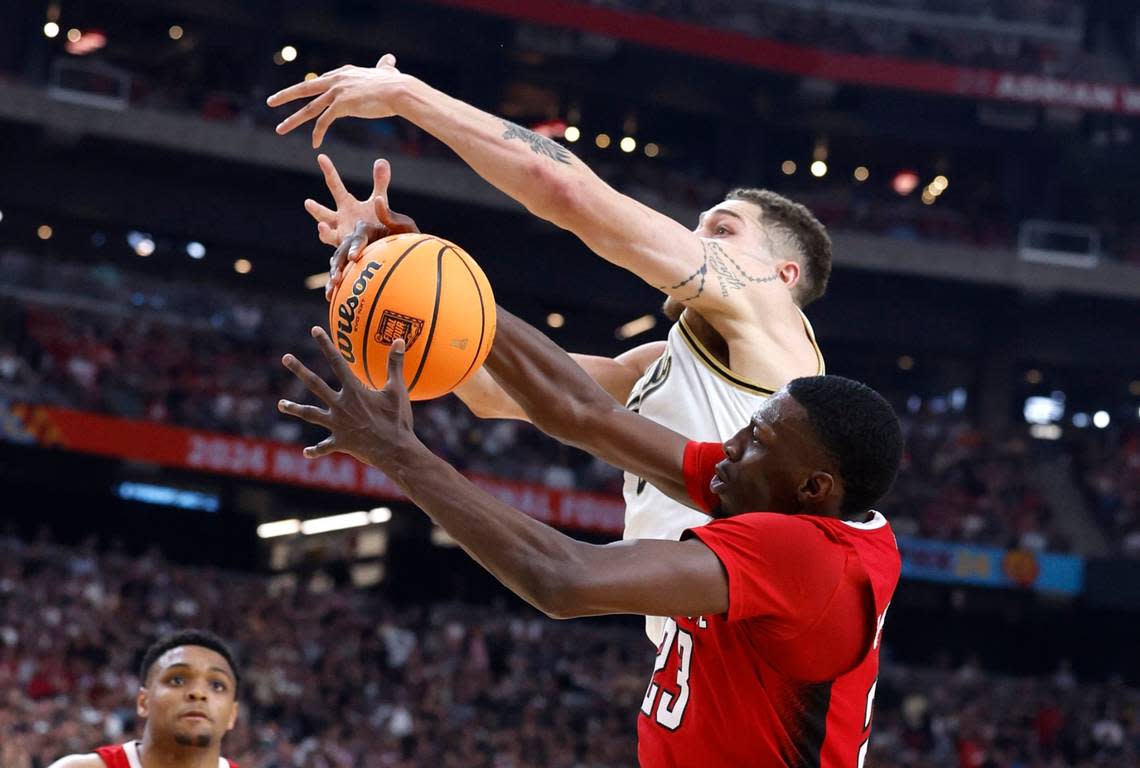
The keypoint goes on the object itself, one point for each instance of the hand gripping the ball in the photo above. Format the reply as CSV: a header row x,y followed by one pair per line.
x,y
374,426
354,223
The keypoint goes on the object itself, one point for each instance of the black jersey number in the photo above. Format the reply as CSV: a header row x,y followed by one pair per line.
x,y
652,380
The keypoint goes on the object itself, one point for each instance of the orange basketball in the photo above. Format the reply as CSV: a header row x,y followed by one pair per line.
x,y
422,289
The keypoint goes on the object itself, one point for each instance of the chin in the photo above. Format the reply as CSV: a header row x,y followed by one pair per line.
x,y
191,739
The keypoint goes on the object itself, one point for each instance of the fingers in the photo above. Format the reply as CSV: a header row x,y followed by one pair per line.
x,y
307,112
339,366
387,60
309,413
321,213
322,125
323,448
315,383
396,367
332,181
326,234
300,90
381,178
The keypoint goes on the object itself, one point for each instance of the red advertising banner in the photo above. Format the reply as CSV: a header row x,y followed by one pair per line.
x,y
880,71
215,453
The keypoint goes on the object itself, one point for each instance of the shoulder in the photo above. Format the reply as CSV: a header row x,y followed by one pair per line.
x,y
89,760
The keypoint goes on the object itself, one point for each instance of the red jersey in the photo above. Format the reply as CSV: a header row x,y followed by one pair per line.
x,y
787,677
127,756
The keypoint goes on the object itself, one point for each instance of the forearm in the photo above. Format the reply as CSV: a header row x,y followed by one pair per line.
x,y
534,170
530,558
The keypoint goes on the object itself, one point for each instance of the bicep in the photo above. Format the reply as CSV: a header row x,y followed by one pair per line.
x,y
705,274
617,375
649,577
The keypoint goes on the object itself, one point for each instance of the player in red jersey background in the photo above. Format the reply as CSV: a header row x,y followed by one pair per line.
x,y
777,604
188,698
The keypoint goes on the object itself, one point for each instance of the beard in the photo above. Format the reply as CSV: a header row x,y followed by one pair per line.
x,y
200,740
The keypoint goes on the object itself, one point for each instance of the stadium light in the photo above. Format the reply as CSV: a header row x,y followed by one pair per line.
x,y
636,326
861,173
379,515
555,320
1033,376
243,266
74,35
51,30
818,169
279,528
904,182
652,150
1,215
628,144
334,523
195,250
144,247
1101,419
1081,420
44,232
1045,431
317,280
602,140
906,362
572,133
289,53
175,32
788,167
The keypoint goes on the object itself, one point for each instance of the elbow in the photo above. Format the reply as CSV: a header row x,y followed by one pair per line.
x,y
558,595
561,201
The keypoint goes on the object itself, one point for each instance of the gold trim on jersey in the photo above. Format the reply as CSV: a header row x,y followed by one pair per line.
x,y
720,369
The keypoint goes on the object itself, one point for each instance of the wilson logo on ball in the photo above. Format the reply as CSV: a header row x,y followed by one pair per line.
x,y
346,311
394,326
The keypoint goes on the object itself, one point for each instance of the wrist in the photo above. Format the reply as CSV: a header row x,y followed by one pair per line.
x,y
410,97
400,457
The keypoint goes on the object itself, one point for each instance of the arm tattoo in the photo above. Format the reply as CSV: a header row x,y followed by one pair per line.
x,y
732,276
540,145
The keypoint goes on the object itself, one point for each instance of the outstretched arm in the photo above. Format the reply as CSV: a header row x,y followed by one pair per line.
x,y
564,402
549,180
616,375
558,575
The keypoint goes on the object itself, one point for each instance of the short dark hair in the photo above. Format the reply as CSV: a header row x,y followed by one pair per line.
x,y
199,637
858,427
804,232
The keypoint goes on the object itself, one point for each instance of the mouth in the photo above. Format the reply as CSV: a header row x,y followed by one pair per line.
x,y
719,482
195,715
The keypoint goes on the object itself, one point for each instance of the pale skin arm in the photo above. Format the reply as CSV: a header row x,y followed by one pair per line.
x,y
714,278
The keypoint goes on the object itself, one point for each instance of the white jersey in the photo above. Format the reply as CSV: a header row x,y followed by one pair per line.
x,y
131,752
688,390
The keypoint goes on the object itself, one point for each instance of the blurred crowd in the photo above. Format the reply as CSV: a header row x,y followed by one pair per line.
x,y
1111,474
340,678
959,484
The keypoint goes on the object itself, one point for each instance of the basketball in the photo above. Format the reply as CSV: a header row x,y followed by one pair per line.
x,y
425,290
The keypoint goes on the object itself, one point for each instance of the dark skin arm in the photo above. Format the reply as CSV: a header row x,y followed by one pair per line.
x,y
564,402
558,575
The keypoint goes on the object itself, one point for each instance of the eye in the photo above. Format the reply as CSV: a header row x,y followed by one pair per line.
x,y
219,686
176,680
722,230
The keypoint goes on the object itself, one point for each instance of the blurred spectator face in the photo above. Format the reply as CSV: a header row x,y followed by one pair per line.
x,y
189,697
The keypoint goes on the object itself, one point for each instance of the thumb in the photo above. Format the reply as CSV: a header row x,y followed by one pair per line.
x,y
381,178
396,366
387,60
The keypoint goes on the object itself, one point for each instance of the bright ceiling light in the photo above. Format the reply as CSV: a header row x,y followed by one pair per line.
x,y
175,32
652,150
243,266
334,523
278,528
1101,419
289,53
555,320
636,326
51,29
379,515
628,144
818,169
195,250
572,133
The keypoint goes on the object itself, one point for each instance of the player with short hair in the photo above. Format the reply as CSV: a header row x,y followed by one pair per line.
x,y
736,284
188,685
775,608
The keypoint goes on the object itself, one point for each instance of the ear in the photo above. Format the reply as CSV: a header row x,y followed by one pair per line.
x,y
142,704
233,717
817,488
789,273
